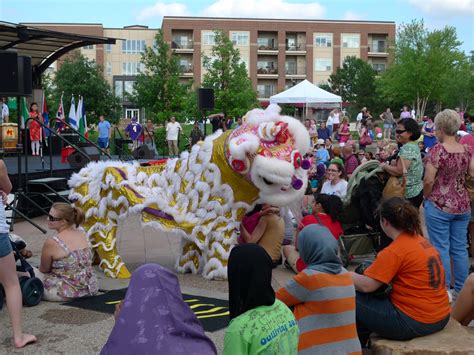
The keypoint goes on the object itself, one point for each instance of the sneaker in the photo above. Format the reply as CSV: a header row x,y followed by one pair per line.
x,y
452,296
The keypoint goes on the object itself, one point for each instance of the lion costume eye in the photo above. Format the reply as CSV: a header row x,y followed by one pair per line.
x,y
297,160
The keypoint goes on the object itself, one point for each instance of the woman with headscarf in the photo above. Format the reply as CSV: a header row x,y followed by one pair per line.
x,y
154,319
323,296
259,324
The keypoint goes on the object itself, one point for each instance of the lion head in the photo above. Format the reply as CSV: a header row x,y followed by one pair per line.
x,y
267,150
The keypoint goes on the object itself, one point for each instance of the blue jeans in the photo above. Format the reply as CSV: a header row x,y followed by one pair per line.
x,y
5,245
448,234
103,143
382,317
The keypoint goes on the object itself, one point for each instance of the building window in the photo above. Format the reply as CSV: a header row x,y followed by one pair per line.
x,y
323,40
88,47
108,48
351,41
132,68
119,88
245,60
379,67
323,64
108,68
265,90
209,38
240,39
128,88
133,46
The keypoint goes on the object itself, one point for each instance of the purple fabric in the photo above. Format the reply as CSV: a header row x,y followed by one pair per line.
x,y
134,130
154,319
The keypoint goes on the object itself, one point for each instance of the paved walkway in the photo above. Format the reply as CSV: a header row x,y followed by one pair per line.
x,y
67,330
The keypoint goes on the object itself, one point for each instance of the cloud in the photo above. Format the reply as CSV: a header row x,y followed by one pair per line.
x,y
445,7
161,9
237,8
349,15
264,9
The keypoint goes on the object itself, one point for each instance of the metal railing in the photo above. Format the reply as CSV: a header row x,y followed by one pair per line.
x,y
378,49
177,44
294,71
296,47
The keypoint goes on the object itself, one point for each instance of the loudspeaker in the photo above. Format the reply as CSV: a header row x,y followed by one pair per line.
x,y
143,152
205,99
25,78
77,160
8,73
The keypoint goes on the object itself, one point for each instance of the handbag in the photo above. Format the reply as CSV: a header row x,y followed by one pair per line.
x,y
394,187
365,139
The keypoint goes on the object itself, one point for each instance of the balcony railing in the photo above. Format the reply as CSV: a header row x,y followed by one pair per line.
x,y
378,49
267,45
294,71
296,47
186,69
267,71
177,44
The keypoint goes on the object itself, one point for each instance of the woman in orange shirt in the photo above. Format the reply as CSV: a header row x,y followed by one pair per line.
x,y
418,304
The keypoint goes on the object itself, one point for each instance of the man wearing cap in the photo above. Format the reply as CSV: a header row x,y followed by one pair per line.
x,y
322,154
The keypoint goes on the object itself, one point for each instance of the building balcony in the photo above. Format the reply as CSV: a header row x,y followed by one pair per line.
x,y
294,73
378,51
186,71
182,46
268,72
269,47
266,94
297,49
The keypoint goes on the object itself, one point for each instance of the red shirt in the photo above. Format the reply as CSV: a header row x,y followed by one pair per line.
x,y
334,227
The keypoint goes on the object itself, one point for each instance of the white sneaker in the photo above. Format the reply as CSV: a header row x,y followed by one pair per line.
x,y
452,295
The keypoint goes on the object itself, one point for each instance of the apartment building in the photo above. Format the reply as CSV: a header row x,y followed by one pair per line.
x,y
277,53
120,62
280,53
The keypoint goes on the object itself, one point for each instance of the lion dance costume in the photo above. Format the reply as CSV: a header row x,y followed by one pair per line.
x,y
202,196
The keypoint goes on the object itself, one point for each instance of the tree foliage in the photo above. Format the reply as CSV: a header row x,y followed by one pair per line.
x,y
81,76
423,63
354,82
158,89
233,90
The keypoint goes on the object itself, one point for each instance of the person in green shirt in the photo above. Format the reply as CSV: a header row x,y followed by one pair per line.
x,y
407,133
260,324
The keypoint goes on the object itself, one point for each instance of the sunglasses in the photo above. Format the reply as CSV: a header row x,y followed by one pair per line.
x,y
400,131
53,219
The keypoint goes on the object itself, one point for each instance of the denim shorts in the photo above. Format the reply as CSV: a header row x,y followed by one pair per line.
x,y
5,245
103,143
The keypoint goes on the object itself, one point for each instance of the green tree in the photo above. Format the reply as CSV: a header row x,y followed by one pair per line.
x,y
354,82
158,89
81,76
423,61
233,90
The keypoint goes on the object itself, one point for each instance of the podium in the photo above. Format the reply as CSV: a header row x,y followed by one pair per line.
x,y
9,136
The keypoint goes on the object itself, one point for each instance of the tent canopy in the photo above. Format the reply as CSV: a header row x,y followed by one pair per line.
x,y
307,93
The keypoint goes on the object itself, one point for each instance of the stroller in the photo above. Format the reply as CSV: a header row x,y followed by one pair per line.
x,y
31,287
362,235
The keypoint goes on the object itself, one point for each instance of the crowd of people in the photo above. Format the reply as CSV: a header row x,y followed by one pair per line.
x,y
411,289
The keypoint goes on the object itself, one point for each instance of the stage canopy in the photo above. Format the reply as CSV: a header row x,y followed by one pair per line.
x,y
308,94
43,46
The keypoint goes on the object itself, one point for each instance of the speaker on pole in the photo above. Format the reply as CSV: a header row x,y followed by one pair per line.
x,y
205,99
77,160
8,73
25,77
143,152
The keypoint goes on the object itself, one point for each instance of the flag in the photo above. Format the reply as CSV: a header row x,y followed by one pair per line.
x,y
78,114
81,116
60,115
72,114
25,114
45,113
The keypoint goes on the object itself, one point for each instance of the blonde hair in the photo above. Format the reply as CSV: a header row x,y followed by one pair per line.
x,y
448,121
72,215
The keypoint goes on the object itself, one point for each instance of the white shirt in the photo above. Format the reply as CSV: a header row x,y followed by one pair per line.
x,y
359,117
172,131
330,120
340,189
336,119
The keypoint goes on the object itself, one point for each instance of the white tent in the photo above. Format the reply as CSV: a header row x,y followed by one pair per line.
x,y
308,94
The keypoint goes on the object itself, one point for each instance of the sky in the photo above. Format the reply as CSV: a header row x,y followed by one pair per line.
x,y
118,13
